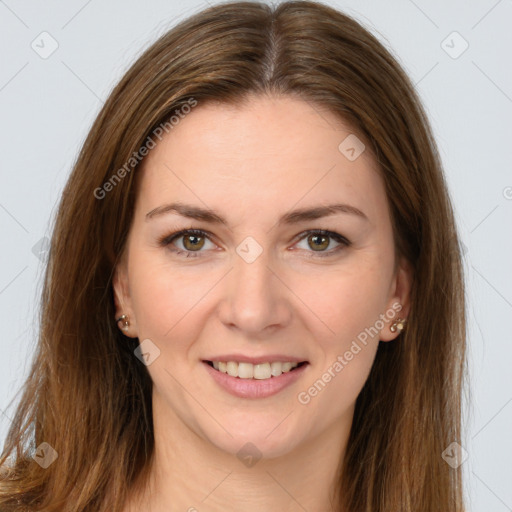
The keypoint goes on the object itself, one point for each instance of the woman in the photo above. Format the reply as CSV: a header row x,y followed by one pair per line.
x,y
254,297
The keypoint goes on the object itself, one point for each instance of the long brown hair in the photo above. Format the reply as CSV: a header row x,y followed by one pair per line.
x,y
89,398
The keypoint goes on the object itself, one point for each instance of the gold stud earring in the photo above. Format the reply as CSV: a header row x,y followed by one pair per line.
x,y
126,322
398,325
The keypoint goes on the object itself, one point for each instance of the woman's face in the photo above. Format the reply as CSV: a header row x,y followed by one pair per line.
x,y
263,284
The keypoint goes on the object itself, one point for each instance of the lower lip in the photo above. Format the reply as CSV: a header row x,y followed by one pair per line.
x,y
255,388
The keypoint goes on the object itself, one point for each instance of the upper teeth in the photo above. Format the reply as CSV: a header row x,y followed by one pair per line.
x,y
256,371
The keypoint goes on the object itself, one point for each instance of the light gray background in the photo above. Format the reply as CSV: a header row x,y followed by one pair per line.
x,y
48,104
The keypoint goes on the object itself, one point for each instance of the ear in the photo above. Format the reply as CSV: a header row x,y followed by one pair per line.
x,y
399,303
122,299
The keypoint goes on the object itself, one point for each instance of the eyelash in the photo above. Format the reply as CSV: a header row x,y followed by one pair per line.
x,y
167,240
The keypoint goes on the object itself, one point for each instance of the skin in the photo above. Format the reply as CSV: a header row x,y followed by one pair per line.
x,y
252,164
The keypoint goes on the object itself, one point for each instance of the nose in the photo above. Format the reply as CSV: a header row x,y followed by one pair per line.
x,y
255,298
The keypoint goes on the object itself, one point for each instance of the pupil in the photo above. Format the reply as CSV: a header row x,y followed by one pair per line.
x,y
317,240
192,241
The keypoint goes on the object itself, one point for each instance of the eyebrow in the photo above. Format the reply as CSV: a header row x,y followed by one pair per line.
x,y
292,217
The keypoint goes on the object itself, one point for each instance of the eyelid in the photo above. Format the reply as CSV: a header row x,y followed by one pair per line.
x,y
332,234
169,239
340,239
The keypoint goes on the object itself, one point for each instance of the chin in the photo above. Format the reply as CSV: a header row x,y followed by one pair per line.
x,y
257,438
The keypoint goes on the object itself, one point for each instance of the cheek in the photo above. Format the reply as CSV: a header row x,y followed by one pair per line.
x,y
331,393
164,298
350,307
345,301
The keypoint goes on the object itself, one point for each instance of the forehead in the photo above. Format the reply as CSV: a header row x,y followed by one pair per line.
x,y
268,153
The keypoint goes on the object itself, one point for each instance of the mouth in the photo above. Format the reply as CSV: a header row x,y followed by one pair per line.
x,y
261,371
255,381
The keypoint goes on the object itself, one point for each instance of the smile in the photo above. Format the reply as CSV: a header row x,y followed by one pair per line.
x,y
260,371
255,380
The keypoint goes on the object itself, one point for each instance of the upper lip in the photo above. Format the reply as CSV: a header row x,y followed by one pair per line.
x,y
269,358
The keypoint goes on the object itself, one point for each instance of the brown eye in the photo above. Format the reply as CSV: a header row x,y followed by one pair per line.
x,y
318,242
192,242
187,242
